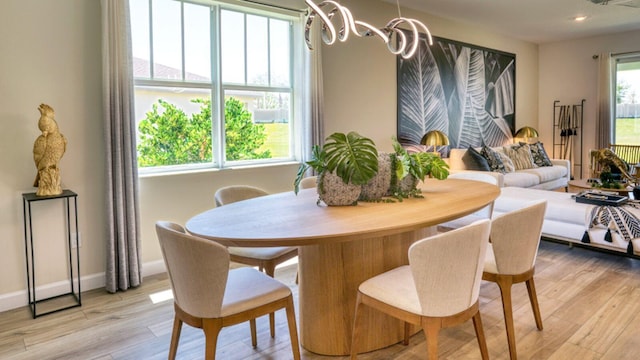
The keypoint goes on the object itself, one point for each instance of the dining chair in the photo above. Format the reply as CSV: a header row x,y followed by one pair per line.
x,y
309,182
484,213
511,257
265,258
210,296
438,289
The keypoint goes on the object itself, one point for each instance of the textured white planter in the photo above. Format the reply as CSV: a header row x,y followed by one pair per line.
x,y
378,187
334,191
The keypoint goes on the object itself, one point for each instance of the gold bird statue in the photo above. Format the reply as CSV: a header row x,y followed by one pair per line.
x,y
607,158
47,152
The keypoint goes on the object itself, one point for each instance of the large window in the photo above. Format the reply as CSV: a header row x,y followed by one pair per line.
x,y
626,128
214,84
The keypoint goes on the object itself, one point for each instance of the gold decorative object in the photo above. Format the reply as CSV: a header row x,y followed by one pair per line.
x,y
604,159
526,133
435,138
47,152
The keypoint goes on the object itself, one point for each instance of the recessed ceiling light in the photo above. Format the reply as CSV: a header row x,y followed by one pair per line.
x,y
580,18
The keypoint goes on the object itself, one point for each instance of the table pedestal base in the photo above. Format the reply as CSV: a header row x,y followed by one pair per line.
x,y
329,278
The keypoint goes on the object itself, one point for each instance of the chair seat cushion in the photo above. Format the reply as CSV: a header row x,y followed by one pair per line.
x,y
248,288
266,253
394,287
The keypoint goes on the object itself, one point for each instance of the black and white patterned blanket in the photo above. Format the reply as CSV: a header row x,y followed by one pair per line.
x,y
617,218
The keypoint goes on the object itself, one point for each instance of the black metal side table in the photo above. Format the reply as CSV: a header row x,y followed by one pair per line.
x,y
73,266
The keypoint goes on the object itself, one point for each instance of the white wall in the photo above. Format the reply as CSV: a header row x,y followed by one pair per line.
x,y
51,53
568,73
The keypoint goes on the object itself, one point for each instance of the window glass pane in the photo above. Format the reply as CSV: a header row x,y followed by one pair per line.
x,y
280,53
174,126
257,125
197,42
140,38
232,47
627,126
167,40
257,50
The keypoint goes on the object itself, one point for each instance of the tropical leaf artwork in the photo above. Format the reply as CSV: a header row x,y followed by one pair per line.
x,y
462,90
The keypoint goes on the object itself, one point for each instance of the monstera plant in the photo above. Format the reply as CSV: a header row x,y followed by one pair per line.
x,y
343,164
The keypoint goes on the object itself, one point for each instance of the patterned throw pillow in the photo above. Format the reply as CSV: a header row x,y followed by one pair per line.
x,y
473,160
540,156
520,154
508,164
493,158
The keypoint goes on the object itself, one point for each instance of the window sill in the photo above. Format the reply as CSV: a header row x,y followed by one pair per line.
x,y
191,171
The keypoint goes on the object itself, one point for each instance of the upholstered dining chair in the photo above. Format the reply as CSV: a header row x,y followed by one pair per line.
x,y
511,257
208,295
438,289
309,182
484,213
267,258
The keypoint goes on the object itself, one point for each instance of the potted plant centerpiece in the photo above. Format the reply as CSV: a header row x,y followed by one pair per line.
x,y
343,164
409,169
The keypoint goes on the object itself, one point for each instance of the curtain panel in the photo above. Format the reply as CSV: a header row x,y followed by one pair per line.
x,y
123,248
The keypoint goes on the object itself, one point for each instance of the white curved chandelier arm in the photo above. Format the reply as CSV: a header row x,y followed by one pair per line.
x,y
326,24
370,30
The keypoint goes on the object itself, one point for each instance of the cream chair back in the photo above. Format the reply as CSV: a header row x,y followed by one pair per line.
x,y
447,268
233,193
515,237
309,182
197,268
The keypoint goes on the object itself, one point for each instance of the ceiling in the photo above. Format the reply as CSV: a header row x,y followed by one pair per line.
x,y
538,21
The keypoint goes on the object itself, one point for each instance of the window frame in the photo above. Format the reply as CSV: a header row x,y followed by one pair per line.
x,y
217,88
630,57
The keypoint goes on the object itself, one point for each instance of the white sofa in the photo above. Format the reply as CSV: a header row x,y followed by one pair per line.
x,y
546,177
565,219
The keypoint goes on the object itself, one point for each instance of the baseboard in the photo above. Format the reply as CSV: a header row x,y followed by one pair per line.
x,y
18,299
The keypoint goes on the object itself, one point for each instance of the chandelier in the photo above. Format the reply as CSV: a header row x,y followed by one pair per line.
x,y
329,10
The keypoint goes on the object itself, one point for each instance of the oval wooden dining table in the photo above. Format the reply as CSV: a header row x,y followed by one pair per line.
x,y
340,247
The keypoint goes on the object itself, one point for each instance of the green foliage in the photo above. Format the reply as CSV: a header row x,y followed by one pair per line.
x,y
170,137
419,165
353,157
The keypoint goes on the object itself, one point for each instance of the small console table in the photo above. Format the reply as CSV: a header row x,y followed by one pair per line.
x,y
73,266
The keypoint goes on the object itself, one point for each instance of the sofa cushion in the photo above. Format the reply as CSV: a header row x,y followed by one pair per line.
x,y
521,179
493,158
539,155
520,154
547,173
473,160
506,161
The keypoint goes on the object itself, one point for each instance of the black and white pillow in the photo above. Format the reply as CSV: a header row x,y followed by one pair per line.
x,y
540,156
493,158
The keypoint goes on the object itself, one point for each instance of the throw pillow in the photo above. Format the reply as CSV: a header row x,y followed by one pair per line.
x,y
520,154
473,160
540,156
506,161
493,158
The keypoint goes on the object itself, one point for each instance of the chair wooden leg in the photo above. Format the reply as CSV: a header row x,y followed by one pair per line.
x,y
270,269
293,329
175,337
482,341
355,333
505,282
431,328
254,335
533,297
211,329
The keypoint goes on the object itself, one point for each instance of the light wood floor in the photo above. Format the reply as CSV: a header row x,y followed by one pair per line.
x,y
590,304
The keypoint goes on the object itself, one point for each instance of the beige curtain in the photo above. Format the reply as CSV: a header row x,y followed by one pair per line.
x,y
123,247
605,101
